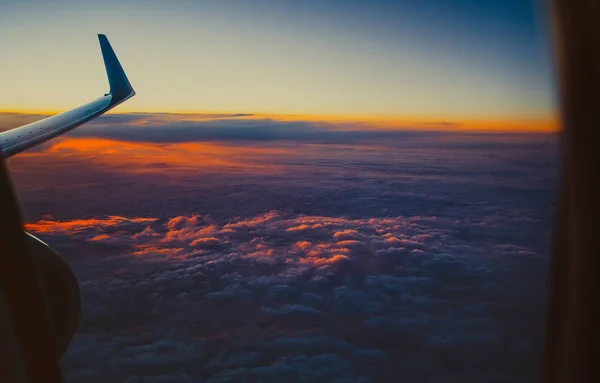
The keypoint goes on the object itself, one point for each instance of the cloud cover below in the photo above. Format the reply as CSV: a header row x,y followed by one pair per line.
x,y
375,257
284,297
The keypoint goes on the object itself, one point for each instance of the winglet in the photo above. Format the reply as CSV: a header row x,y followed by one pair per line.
x,y
120,88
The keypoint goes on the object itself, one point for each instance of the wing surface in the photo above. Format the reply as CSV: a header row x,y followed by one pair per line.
x,y
25,137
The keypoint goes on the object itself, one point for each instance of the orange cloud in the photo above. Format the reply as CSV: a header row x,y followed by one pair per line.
x,y
303,245
251,222
73,226
328,261
345,233
203,242
141,158
298,228
100,237
263,238
154,250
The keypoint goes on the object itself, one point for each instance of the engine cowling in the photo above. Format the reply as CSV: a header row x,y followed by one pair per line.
x,y
61,289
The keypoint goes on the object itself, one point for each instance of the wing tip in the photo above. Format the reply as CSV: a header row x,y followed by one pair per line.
x,y
120,88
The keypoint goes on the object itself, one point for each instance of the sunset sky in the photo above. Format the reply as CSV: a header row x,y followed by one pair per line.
x,y
401,61
301,191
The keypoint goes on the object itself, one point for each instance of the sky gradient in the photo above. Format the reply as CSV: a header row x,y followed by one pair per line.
x,y
369,60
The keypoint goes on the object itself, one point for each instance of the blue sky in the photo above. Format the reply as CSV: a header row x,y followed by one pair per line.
x,y
424,59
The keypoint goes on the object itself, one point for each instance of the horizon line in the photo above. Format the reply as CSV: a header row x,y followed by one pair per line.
x,y
546,123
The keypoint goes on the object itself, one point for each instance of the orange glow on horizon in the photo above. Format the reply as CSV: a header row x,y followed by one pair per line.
x,y
463,123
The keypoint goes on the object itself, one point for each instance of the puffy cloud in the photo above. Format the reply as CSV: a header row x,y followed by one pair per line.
x,y
272,235
248,283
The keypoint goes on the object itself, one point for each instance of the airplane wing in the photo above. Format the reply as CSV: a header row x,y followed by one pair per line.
x,y
19,139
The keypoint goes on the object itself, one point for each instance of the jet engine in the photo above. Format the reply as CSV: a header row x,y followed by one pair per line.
x,y
63,298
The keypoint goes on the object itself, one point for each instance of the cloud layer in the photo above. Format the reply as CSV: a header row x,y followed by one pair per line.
x,y
298,253
278,297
